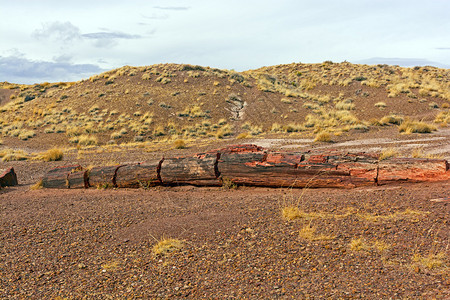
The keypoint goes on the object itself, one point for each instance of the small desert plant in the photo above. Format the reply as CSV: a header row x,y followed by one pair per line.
x,y
242,135
391,119
38,185
179,144
431,261
323,136
410,126
165,246
309,233
380,105
388,153
54,154
87,140
228,184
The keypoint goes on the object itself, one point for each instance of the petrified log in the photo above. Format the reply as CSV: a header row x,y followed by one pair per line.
x,y
103,177
8,177
138,175
298,169
78,180
57,178
413,170
199,170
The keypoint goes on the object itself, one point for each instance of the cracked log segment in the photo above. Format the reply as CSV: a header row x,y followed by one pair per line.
x,y
143,175
8,177
58,178
198,170
103,177
298,169
412,170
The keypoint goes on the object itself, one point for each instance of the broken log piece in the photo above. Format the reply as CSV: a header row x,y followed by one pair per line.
x,y
8,177
413,170
57,178
103,177
199,170
78,180
138,175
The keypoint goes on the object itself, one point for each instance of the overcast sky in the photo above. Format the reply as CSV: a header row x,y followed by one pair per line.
x,y
54,40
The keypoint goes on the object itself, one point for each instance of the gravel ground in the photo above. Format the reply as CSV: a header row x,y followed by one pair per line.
x,y
98,243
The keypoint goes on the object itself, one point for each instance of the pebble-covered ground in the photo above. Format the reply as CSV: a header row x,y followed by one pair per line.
x,y
374,242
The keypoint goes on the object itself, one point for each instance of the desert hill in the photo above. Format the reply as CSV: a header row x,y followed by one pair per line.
x,y
170,101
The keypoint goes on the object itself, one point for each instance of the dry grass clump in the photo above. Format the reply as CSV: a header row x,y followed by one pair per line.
x,y
309,233
388,153
179,144
87,140
420,153
391,120
166,246
13,155
411,126
443,117
361,245
381,105
323,136
54,154
431,261
38,185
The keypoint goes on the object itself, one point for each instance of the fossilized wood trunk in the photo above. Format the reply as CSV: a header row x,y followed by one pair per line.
x,y
199,170
8,177
78,180
103,177
138,175
253,166
413,170
58,178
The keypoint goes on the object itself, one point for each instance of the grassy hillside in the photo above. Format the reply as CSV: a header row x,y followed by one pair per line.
x,y
169,102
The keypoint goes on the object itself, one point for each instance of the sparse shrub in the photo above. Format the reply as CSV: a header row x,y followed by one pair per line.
x,y
179,144
13,155
26,134
411,126
323,136
166,246
286,100
388,153
391,120
309,233
87,140
38,185
54,154
228,184
116,135
380,105
431,261
242,135
433,105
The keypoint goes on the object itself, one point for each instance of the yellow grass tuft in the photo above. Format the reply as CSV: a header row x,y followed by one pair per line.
x,y
179,144
38,185
54,154
309,233
431,261
410,126
166,246
323,136
388,153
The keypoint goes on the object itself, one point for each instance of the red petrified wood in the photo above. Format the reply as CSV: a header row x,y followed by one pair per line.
x,y
200,170
8,177
58,178
138,175
253,166
413,170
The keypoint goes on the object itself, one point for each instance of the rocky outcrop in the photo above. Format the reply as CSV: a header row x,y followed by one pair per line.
x,y
8,177
252,165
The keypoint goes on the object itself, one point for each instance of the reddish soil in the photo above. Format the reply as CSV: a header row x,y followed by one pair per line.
x,y
98,243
